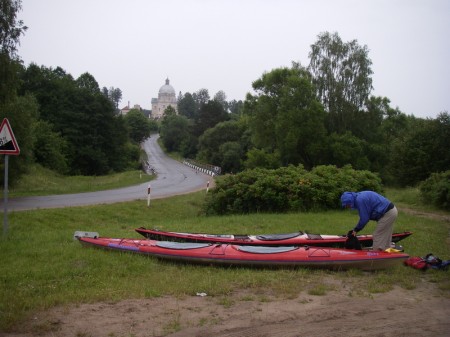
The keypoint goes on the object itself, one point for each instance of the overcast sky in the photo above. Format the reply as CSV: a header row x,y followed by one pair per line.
x,y
225,45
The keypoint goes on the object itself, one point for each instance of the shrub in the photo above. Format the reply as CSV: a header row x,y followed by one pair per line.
x,y
436,190
287,189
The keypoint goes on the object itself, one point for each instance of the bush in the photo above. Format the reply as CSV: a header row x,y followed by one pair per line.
x,y
287,189
436,190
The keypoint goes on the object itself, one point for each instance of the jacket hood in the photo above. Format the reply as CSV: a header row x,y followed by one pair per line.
x,y
348,198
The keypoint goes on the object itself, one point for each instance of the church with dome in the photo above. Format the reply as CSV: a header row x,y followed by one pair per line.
x,y
166,98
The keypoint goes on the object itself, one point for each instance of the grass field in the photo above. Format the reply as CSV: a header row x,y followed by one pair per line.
x,y
42,266
42,181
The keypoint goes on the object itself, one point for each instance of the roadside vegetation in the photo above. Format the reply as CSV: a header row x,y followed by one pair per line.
x,y
287,189
42,181
42,266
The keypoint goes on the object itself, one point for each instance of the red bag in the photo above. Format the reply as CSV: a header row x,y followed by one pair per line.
x,y
417,263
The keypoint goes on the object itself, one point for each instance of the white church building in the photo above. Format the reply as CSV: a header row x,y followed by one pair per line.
x,y
166,98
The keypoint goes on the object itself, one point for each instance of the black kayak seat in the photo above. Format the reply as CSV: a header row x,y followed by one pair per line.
x,y
277,237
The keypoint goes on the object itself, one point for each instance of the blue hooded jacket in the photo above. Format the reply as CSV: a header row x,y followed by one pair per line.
x,y
370,206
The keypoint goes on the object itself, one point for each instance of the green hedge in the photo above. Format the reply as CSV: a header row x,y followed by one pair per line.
x,y
287,189
436,190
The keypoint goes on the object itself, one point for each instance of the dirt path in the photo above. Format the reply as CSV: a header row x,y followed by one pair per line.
x,y
440,217
419,312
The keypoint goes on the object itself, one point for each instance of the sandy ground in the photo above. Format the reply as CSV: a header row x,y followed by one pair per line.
x,y
419,312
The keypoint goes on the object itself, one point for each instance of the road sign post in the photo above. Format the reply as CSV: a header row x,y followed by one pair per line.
x,y
5,197
8,146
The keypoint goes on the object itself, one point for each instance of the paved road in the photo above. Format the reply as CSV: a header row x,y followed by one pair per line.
x,y
173,178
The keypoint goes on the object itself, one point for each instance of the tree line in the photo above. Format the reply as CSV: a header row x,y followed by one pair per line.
x,y
70,125
321,114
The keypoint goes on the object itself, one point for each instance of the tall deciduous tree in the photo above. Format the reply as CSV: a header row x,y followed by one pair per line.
x,y
50,148
138,125
20,111
422,150
221,97
209,115
211,143
235,107
10,28
187,106
88,82
174,131
201,97
115,96
342,76
95,137
286,117
10,31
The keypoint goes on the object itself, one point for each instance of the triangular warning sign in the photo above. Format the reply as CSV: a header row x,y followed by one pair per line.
x,y
8,144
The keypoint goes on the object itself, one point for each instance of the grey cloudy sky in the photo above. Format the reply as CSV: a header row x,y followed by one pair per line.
x,y
225,45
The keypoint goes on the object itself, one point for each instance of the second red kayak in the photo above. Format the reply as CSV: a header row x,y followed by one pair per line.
x,y
296,239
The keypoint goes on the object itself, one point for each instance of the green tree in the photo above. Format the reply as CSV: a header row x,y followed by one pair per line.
x,y
211,142
85,118
379,125
138,125
115,96
201,97
88,82
122,153
170,110
221,97
261,158
435,190
51,87
368,123
174,132
10,31
187,106
286,117
235,107
10,28
20,111
261,109
231,153
50,148
209,115
422,150
342,77
348,149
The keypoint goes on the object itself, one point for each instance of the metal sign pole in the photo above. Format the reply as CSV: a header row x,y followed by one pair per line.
x,y
8,145
5,196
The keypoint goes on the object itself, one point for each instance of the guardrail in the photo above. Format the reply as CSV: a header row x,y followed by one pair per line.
x,y
204,168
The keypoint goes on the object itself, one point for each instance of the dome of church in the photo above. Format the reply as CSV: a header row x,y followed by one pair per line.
x,y
167,89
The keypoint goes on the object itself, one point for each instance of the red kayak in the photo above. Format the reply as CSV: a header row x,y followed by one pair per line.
x,y
294,239
227,254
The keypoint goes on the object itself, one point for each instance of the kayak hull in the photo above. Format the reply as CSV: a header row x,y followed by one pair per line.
x,y
298,238
227,254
